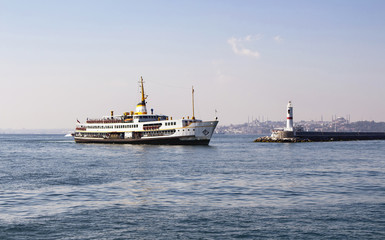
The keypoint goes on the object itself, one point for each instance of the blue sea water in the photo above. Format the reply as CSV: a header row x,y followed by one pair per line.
x,y
52,188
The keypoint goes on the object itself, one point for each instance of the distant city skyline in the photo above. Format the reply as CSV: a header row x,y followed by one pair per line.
x,y
66,60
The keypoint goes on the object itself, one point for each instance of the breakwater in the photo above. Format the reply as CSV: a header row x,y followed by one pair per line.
x,y
340,136
303,136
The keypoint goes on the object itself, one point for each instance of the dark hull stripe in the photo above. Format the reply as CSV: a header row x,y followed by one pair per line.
x,y
155,141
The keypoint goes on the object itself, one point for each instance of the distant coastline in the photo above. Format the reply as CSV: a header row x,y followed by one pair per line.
x,y
35,131
338,125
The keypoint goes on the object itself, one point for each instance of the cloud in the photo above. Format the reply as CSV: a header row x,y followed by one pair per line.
x,y
221,77
278,39
238,48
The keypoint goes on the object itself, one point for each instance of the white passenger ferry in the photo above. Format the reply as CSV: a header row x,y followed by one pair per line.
x,y
141,128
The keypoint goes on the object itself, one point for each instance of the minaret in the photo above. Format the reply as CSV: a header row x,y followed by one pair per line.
x,y
289,118
141,107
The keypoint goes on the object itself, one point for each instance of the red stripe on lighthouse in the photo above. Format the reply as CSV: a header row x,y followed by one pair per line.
x,y
289,117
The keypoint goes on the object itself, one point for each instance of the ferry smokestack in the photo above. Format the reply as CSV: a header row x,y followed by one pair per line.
x,y
289,117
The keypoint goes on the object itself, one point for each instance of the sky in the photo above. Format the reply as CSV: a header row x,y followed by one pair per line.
x,y
66,60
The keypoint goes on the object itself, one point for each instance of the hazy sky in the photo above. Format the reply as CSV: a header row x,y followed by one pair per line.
x,y
67,60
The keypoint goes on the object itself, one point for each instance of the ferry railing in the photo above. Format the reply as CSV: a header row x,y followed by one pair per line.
x,y
105,121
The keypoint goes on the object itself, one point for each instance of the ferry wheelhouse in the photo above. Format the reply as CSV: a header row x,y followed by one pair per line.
x,y
139,127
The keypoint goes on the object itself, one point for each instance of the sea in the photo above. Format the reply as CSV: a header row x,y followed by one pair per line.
x,y
54,188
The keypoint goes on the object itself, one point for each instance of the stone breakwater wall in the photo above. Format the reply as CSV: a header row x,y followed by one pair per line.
x,y
285,136
340,136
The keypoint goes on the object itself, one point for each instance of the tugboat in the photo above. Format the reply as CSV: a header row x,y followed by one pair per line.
x,y
139,127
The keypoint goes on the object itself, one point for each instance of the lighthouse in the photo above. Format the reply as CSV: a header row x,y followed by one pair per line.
x,y
289,118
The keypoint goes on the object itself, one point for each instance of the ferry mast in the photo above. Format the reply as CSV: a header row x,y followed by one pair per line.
x,y
142,88
193,112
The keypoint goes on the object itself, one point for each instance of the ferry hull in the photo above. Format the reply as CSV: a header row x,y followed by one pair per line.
x,y
153,141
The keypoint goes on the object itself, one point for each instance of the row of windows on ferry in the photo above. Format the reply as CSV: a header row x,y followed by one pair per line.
x,y
112,126
125,126
152,117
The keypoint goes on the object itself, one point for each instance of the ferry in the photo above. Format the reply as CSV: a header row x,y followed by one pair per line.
x,y
139,127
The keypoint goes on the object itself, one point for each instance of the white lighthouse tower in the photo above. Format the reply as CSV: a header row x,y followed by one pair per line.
x,y
289,118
